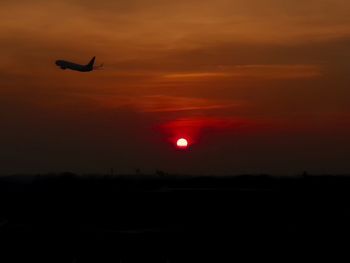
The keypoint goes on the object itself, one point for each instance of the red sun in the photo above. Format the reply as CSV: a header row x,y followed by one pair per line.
x,y
182,143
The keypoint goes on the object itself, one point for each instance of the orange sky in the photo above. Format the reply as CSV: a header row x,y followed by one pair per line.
x,y
259,86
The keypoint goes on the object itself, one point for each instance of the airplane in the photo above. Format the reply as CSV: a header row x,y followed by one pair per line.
x,y
77,67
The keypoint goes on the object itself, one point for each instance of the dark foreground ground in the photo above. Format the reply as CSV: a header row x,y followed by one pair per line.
x,y
70,218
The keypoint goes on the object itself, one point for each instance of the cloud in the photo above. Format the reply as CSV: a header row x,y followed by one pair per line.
x,y
254,71
163,103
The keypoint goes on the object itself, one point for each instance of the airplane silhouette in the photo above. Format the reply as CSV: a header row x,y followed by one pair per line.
x,y
77,67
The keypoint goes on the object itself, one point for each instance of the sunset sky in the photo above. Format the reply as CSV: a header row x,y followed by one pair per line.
x,y
256,86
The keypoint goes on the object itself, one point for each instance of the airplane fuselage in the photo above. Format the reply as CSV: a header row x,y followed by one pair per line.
x,y
73,66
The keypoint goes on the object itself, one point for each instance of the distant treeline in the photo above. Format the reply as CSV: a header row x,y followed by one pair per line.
x,y
166,182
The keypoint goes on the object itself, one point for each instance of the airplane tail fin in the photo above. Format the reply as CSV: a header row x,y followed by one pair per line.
x,y
92,61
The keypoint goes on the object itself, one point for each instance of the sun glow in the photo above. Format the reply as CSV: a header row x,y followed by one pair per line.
x,y
182,143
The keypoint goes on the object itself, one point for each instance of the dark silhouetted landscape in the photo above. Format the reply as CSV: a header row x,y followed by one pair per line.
x,y
166,218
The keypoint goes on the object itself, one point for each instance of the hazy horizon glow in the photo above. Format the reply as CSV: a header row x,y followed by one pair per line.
x,y
256,86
